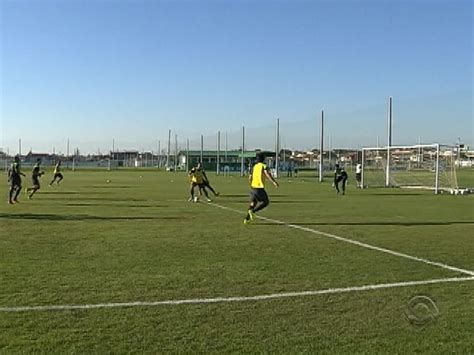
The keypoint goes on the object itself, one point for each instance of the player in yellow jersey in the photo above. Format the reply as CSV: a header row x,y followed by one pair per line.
x,y
57,173
258,196
198,177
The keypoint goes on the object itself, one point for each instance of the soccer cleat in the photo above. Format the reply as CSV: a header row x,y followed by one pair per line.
x,y
217,193
246,221
190,199
208,200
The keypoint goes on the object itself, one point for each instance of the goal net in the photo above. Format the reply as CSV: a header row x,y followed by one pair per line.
x,y
427,166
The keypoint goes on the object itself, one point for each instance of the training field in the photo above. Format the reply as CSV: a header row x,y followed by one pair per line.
x,y
91,266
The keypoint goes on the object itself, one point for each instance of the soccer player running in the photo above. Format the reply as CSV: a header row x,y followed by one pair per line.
x,y
57,173
35,175
340,175
197,179
14,177
258,196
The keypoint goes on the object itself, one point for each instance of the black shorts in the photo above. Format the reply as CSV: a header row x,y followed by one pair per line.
x,y
358,176
258,195
15,181
35,182
340,178
200,185
58,175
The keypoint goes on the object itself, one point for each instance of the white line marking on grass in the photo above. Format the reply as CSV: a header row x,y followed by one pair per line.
x,y
351,241
232,299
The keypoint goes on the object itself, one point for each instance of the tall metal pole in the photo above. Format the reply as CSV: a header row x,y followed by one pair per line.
x,y
175,152
202,149
169,148
321,148
277,146
362,169
389,141
19,147
225,153
218,151
243,152
159,154
437,170
67,154
187,154
329,151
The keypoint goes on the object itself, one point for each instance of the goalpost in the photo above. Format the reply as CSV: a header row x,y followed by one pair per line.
x,y
424,166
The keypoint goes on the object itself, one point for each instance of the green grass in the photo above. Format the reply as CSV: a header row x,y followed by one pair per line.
x,y
138,239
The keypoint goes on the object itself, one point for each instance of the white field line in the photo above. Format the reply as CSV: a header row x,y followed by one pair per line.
x,y
346,240
232,299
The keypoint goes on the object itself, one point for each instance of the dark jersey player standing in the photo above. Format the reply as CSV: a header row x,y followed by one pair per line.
x,y
14,177
340,175
258,196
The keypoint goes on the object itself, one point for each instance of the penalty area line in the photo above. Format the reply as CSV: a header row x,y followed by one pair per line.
x,y
355,242
198,301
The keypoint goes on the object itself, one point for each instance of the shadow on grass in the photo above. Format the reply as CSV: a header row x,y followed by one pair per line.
x,y
113,205
400,194
58,217
110,187
103,199
407,224
247,195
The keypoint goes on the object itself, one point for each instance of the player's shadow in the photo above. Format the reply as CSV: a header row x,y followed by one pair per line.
x,y
294,201
114,205
406,224
61,217
399,194
245,195
102,199
68,192
111,187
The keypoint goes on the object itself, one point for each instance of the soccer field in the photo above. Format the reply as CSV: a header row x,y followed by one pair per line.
x,y
131,266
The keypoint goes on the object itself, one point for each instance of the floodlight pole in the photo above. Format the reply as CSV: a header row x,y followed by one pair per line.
x,y
277,146
175,152
437,170
169,148
225,152
362,169
67,154
218,151
389,141
202,148
321,147
243,151
187,155
19,147
159,154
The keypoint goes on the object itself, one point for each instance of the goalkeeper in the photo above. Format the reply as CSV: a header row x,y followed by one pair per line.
x,y
340,175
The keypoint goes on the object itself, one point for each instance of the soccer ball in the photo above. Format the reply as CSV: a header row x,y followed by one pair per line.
x,y
107,181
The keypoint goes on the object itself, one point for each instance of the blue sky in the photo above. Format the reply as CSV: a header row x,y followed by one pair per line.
x,y
93,71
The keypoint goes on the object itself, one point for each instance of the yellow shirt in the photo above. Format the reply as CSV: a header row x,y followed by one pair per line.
x,y
258,176
57,169
196,176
